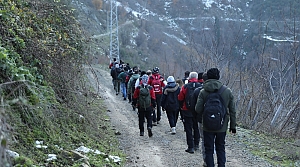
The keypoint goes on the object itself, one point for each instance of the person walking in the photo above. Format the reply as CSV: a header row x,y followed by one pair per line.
x,y
131,83
130,73
215,136
201,78
189,120
122,78
144,99
185,79
115,71
169,102
157,82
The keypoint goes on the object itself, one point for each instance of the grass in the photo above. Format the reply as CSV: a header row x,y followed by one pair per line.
x,y
66,133
277,151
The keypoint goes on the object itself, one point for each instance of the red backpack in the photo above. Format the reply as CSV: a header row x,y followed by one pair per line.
x,y
156,83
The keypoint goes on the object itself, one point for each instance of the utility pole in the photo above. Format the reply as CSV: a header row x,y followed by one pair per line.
x,y
114,29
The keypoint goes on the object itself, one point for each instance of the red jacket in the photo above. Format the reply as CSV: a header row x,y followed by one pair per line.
x,y
150,82
182,94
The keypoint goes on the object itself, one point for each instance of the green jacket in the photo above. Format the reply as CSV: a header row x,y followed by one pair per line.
x,y
211,85
131,81
122,76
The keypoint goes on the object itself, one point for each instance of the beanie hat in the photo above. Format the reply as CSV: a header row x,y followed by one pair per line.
x,y
170,79
193,75
213,73
143,72
145,79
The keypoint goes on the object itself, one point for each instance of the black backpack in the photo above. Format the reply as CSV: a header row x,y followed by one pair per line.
x,y
189,96
214,110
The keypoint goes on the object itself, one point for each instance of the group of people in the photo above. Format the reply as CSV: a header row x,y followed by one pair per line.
x,y
206,106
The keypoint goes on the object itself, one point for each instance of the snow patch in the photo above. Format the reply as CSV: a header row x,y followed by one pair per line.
x,y
178,39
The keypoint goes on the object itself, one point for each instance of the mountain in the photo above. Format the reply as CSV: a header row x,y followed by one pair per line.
x,y
170,30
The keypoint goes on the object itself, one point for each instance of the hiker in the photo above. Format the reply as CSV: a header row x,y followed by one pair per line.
x,y
169,102
186,77
204,108
149,72
122,78
180,83
144,99
112,63
115,71
201,79
131,83
130,73
157,82
139,81
189,120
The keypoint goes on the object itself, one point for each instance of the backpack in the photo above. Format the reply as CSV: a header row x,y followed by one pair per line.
x,y
189,96
144,100
214,110
156,83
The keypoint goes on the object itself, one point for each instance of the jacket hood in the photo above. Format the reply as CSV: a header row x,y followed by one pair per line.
x,y
135,76
211,85
172,87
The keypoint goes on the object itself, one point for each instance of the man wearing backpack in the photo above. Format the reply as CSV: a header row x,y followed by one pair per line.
x,y
169,102
131,83
190,123
214,101
157,82
144,99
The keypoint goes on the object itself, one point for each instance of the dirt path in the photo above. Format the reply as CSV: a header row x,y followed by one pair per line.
x,y
163,149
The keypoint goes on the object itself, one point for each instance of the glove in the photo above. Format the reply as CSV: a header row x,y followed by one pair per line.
x,y
232,131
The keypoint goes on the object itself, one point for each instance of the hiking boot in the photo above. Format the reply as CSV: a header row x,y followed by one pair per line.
x,y
190,150
117,93
150,134
196,147
141,133
124,98
133,107
173,130
157,122
154,124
